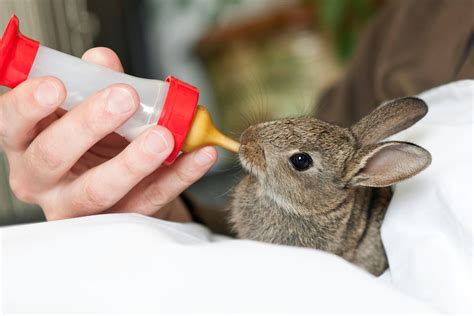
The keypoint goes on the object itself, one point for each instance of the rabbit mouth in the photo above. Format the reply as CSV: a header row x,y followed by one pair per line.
x,y
251,153
252,158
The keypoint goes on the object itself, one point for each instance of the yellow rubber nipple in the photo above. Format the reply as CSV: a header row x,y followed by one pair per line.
x,y
203,132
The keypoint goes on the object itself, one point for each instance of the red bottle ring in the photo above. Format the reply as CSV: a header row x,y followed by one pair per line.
x,y
178,113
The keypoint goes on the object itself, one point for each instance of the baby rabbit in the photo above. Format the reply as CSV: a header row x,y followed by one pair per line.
x,y
318,185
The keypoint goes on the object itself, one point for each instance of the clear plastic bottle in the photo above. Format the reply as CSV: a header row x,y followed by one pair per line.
x,y
83,79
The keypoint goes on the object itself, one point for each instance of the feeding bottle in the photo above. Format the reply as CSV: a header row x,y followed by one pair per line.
x,y
171,103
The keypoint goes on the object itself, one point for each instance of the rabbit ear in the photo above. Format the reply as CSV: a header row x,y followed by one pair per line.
x,y
387,163
388,119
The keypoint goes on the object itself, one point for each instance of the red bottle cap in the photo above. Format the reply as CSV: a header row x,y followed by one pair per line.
x,y
17,54
178,112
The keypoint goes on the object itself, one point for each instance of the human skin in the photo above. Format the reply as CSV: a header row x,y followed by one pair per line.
x,y
72,164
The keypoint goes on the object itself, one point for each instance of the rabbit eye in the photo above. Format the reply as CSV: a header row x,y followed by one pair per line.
x,y
301,161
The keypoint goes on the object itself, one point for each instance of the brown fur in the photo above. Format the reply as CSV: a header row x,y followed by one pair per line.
x,y
338,204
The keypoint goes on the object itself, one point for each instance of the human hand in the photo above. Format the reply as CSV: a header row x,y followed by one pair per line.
x,y
72,164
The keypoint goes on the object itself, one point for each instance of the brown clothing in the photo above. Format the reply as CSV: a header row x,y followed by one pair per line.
x,y
409,47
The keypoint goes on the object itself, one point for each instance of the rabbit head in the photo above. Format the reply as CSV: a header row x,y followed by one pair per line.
x,y
306,165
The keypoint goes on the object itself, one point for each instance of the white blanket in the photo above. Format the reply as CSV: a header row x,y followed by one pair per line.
x,y
134,264
427,231
129,263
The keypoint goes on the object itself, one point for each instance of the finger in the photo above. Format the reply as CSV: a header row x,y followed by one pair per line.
x,y
56,149
103,186
175,211
23,107
168,182
103,56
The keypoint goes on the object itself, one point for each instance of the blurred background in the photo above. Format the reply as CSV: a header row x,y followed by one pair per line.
x,y
252,60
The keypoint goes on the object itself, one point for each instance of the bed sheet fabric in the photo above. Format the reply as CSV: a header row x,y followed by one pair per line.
x,y
135,264
427,231
130,263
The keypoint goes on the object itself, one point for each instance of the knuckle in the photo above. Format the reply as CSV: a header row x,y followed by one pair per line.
x,y
157,197
16,104
94,123
130,168
185,176
20,112
94,197
44,155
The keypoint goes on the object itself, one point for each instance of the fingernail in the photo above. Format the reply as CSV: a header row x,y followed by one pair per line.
x,y
203,157
155,143
46,93
119,101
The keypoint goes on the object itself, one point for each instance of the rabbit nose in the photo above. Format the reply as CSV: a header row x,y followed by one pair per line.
x,y
248,136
